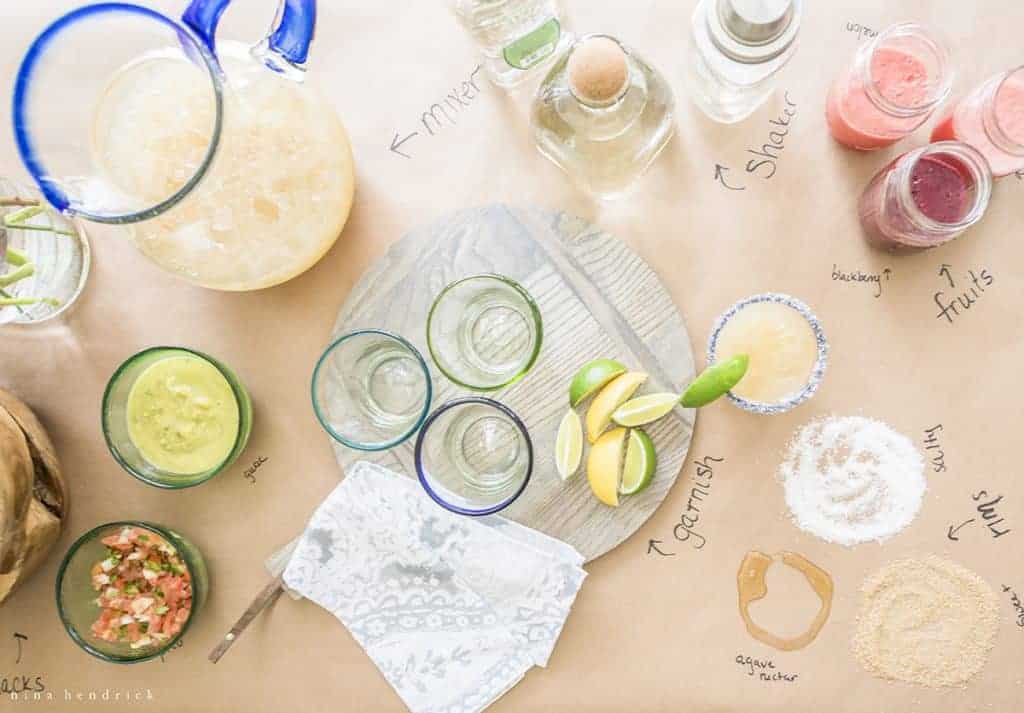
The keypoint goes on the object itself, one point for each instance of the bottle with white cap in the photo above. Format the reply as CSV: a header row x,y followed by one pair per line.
x,y
736,50
603,115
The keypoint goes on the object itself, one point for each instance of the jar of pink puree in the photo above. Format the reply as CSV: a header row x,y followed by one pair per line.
x,y
895,83
926,197
991,119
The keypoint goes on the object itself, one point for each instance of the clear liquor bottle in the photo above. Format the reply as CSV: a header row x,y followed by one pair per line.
x,y
603,115
517,38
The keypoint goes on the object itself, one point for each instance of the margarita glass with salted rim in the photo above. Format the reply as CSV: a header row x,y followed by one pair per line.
x,y
787,349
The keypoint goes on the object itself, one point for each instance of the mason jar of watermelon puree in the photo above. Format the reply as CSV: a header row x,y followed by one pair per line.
x,y
991,119
894,84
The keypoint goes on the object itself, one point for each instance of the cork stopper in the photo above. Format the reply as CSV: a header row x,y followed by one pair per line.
x,y
598,70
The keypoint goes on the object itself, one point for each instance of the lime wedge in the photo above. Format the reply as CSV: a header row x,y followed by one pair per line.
x,y
716,380
618,392
641,462
645,409
569,445
591,377
604,466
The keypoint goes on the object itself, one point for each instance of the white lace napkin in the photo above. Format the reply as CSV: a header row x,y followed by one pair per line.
x,y
453,610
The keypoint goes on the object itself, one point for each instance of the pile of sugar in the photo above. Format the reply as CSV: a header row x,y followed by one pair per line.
x,y
851,479
928,621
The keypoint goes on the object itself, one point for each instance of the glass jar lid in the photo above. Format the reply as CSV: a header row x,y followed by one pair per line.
x,y
754,31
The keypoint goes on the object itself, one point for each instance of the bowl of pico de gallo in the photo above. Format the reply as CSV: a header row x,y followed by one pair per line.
x,y
128,591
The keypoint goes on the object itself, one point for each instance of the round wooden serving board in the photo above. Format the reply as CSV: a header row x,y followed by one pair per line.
x,y
597,298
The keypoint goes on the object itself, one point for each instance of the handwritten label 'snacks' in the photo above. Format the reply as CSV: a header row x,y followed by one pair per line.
x,y
685,531
764,669
765,161
16,686
933,451
951,307
876,278
990,516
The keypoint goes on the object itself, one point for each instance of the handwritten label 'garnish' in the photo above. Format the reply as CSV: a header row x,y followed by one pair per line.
x,y
764,669
867,278
686,531
439,115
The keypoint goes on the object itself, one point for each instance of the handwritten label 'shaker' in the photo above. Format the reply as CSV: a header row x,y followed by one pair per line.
x,y
685,531
765,161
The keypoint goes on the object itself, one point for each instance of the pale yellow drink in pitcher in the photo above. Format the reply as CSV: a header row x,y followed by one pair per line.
x,y
280,187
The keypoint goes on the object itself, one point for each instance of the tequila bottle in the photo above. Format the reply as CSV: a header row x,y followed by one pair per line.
x,y
517,38
603,115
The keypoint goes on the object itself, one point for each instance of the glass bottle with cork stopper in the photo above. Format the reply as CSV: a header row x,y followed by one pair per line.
x,y
736,50
603,115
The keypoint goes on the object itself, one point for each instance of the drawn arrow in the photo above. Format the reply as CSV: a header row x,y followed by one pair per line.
x,y
396,144
19,638
953,530
1019,175
720,177
653,545
888,273
944,270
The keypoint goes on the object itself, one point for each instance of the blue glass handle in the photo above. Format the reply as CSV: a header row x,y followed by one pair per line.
x,y
290,40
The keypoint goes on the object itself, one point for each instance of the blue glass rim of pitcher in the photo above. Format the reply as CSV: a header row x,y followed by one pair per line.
x,y
194,46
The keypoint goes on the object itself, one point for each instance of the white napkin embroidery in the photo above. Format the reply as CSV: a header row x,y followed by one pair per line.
x,y
453,610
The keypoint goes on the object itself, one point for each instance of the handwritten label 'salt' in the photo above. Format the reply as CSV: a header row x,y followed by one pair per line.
x,y
936,456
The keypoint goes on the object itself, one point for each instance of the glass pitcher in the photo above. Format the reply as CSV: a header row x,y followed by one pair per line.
x,y
226,167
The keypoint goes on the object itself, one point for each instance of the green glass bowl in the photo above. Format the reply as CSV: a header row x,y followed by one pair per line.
x,y
75,595
115,419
